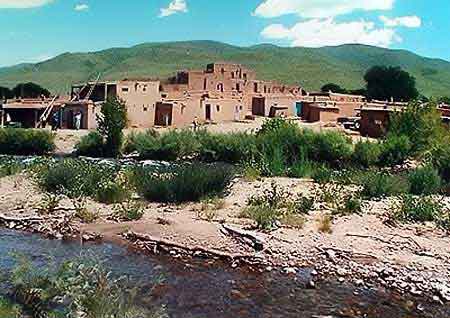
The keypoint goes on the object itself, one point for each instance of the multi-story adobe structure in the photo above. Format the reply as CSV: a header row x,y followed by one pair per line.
x,y
221,92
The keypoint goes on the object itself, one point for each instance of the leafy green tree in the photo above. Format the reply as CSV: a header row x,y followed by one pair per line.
x,y
444,99
385,82
421,123
30,90
111,122
5,93
335,88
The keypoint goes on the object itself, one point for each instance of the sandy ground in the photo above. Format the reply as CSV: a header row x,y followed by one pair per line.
x,y
66,139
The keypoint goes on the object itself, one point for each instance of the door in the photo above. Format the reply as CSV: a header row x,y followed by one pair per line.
x,y
208,112
258,106
163,114
299,109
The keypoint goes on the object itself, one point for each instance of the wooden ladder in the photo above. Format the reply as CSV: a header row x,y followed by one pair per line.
x,y
46,113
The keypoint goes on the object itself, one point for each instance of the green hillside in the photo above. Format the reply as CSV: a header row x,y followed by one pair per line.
x,y
310,67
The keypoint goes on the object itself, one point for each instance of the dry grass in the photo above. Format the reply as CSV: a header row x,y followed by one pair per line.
x,y
209,208
294,221
324,223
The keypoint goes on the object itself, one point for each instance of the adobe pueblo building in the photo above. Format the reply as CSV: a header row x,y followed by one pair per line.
x,y
222,92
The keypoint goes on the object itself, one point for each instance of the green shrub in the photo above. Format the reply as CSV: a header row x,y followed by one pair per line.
x,y
183,183
440,158
395,150
91,145
418,209
322,174
9,167
75,178
379,185
274,124
425,180
302,204
421,122
230,148
17,141
264,215
112,192
366,154
129,211
330,146
348,204
301,169
138,142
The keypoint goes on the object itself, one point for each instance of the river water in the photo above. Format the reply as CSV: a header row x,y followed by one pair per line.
x,y
198,289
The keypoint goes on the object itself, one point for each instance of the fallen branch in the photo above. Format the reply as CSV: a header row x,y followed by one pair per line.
x,y
247,237
160,242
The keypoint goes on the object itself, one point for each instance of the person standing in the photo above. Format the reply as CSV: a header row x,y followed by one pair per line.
x,y
78,120
55,121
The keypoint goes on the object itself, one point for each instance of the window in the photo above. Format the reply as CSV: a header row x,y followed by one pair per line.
x,y
240,107
145,108
163,95
245,75
220,87
145,88
232,74
255,87
238,87
136,86
125,89
218,108
222,70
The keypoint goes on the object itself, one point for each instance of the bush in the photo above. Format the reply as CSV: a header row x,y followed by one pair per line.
x,y
230,148
347,205
302,204
379,185
440,158
420,122
9,167
330,146
112,192
395,150
418,209
75,178
91,145
17,141
424,181
366,154
111,122
264,215
322,174
301,169
136,142
183,183
129,211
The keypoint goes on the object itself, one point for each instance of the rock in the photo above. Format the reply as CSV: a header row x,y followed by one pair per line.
x,y
442,290
331,254
341,272
314,273
290,270
359,282
311,285
341,279
269,268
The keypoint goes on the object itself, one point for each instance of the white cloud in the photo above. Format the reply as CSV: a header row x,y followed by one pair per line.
x,y
408,21
22,4
81,7
327,32
176,6
318,8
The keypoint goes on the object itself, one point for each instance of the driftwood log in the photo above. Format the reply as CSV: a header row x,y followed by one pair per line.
x,y
153,244
246,237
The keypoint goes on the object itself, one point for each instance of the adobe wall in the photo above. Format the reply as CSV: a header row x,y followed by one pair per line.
x,y
140,98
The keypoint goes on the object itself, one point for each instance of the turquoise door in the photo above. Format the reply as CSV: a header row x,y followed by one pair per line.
x,y
299,108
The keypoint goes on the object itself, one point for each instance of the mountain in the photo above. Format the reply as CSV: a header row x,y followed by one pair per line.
x,y
309,67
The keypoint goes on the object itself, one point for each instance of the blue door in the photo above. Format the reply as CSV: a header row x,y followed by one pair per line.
x,y
299,108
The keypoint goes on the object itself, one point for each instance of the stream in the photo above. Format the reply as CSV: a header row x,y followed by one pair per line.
x,y
201,289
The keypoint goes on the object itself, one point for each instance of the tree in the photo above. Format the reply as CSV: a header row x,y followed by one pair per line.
x,y
335,88
444,99
384,83
30,90
5,93
422,123
111,122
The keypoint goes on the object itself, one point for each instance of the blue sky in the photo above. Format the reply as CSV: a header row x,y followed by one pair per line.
x,y
34,30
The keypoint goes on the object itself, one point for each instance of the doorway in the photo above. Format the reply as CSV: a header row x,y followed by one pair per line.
x,y
299,109
208,112
259,106
163,114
